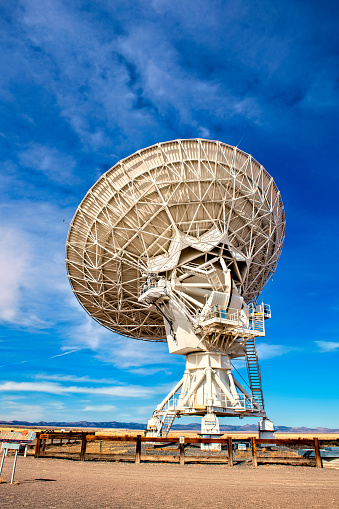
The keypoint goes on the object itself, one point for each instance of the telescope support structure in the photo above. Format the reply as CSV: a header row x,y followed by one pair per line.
x,y
208,387
176,242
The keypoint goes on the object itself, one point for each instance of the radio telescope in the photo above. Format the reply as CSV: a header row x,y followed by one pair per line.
x,y
175,243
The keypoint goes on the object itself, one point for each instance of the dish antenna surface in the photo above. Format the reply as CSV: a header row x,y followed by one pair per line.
x,y
175,243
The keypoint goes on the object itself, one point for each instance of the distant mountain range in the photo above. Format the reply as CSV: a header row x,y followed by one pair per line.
x,y
194,426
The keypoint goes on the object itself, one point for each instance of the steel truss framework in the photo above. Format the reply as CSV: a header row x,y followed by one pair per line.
x,y
177,241
160,207
148,204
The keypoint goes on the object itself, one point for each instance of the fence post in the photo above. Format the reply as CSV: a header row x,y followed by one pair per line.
x,y
138,450
37,447
318,460
230,451
83,446
254,452
182,454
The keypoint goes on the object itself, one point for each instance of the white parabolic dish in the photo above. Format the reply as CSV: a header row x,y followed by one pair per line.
x,y
161,208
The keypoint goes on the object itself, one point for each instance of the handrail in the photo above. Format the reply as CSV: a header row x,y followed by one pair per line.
x,y
246,402
254,322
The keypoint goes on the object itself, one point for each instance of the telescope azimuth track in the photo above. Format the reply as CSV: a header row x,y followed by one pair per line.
x,y
175,243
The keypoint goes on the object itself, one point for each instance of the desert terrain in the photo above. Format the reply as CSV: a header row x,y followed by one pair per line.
x,y
56,483
53,483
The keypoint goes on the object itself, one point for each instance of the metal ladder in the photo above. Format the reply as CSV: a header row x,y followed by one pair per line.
x,y
258,322
208,271
253,369
214,279
166,423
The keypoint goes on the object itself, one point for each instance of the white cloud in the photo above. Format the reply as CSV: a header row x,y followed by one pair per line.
x,y
124,391
14,264
115,349
54,164
204,132
32,269
118,72
149,371
239,363
16,407
99,408
126,353
56,405
36,293
138,414
40,359
72,378
88,334
22,412
267,351
327,346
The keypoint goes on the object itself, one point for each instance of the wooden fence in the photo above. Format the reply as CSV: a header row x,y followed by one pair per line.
x,y
181,442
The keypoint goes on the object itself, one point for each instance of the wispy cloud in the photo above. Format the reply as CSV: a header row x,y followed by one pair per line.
x,y
123,391
73,378
327,346
86,333
23,412
32,268
268,351
15,258
41,358
149,371
54,164
99,408
111,348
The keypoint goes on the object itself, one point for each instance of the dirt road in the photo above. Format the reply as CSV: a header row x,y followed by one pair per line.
x,y
53,484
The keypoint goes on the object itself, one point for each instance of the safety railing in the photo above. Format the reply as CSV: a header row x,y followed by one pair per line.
x,y
219,399
244,402
253,323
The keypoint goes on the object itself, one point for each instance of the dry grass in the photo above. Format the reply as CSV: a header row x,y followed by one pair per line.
x,y
236,436
188,434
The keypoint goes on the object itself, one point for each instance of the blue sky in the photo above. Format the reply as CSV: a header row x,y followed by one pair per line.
x,y
84,84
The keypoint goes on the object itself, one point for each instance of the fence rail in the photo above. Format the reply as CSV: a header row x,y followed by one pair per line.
x,y
182,442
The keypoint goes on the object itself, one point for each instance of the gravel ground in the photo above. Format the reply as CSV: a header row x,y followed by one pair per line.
x,y
56,483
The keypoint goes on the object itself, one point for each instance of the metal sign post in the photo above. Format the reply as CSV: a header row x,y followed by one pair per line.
x,y
15,440
5,447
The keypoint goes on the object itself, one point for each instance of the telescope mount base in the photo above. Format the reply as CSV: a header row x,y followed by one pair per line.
x,y
207,389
